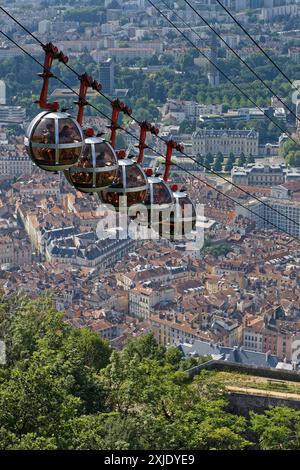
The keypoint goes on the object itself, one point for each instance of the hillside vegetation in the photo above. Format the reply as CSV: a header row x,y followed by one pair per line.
x,y
65,388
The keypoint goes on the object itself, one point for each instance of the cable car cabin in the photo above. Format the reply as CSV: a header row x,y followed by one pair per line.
x,y
54,141
183,217
96,169
159,202
131,182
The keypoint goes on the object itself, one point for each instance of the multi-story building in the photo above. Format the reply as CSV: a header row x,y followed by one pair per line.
x,y
233,355
12,114
15,165
13,251
9,52
252,335
226,141
280,338
123,53
34,188
107,76
268,14
163,275
263,175
6,250
143,299
190,110
44,27
2,93
106,329
172,329
284,214
85,250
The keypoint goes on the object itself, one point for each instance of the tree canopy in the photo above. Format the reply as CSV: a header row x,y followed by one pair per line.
x,y
65,388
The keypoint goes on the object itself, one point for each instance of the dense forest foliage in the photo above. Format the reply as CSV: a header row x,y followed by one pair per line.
x,y
65,388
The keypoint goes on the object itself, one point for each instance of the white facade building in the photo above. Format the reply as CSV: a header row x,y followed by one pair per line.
x,y
226,141
286,215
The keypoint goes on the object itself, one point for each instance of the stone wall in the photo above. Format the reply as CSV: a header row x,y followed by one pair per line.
x,y
253,370
241,403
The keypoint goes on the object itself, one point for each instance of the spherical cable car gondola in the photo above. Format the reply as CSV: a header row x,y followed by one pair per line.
x,y
159,198
183,216
97,168
54,140
159,202
131,181
177,216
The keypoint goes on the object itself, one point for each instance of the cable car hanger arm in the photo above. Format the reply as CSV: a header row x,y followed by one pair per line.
x,y
145,127
117,108
51,53
86,82
171,145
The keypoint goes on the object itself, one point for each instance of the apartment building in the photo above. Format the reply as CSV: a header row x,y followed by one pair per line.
x,y
190,110
162,275
6,250
12,165
143,299
263,175
107,329
268,14
97,253
14,251
12,114
272,336
206,141
286,215
123,53
172,329
36,189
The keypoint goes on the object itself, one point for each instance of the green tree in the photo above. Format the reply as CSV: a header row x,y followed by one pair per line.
x,y
242,159
250,159
277,429
231,157
217,165
145,346
220,157
200,158
173,356
228,165
207,163
210,157
51,374
63,388
288,148
293,159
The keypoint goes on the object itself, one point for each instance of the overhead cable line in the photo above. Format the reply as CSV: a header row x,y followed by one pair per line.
x,y
210,169
194,45
159,154
206,183
217,173
221,71
255,42
240,58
